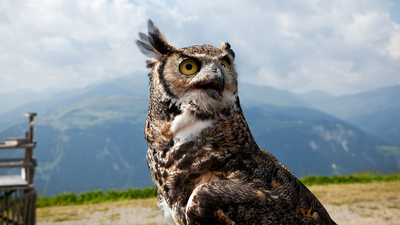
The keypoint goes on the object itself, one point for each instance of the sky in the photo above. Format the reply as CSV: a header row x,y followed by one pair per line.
x,y
341,47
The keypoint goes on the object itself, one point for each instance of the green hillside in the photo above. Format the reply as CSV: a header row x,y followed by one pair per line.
x,y
98,110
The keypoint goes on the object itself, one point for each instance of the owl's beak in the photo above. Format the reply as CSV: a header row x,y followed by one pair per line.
x,y
220,79
215,86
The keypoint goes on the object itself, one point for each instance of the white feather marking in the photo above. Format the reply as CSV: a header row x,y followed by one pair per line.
x,y
167,212
186,125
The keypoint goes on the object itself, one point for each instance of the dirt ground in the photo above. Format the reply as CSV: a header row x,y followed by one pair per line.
x,y
376,203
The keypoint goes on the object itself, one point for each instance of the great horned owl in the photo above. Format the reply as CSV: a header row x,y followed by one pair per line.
x,y
204,161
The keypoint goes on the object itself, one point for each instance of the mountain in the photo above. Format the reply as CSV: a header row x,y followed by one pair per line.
x,y
12,100
354,105
97,157
93,138
316,145
383,123
254,95
376,112
315,97
133,84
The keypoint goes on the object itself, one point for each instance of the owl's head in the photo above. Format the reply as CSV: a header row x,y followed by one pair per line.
x,y
202,75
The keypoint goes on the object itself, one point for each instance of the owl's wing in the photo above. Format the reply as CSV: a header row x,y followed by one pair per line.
x,y
229,202
275,160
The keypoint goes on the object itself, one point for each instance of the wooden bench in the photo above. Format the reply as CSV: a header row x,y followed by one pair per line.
x,y
17,192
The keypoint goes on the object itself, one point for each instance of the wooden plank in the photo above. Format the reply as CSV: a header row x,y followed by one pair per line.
x,y
15,141
28,187
28,145
11,160
16,164
12,180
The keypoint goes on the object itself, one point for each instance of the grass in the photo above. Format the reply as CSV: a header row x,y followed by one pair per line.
x,y
97,196
349,179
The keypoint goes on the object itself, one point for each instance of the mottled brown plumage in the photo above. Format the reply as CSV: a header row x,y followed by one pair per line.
x,y
203,158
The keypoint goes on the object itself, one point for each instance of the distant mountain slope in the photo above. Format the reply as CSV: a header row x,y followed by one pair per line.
x,y
77,160
134,84
316,145
12,100
384,123
98,110
254,95
354,105
376,112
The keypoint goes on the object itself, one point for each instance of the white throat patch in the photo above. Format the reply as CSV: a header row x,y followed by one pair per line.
x,y
186,126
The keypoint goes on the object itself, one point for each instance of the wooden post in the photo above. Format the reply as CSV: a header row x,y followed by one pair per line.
x,y
31,115
29,171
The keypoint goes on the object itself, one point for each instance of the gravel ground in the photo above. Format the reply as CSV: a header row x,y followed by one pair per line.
x,y
376,203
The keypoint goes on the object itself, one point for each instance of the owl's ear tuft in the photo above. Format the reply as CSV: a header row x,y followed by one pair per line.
x,y
154,44
227,47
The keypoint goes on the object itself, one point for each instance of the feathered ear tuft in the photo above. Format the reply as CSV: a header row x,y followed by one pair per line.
x,y
227,47
154,45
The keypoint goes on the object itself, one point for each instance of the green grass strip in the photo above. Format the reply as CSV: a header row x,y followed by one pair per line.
x,y
97,196
349,179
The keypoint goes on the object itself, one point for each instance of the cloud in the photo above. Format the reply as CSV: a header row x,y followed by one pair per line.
x,y
338,46
67,43
342,47
393,46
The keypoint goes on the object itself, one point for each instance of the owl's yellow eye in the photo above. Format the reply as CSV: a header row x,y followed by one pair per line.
x,y
188,67
225,64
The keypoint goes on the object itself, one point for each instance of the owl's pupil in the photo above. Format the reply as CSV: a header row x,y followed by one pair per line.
x,y
189,66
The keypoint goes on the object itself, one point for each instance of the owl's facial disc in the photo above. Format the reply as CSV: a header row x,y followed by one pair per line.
x,y
213,87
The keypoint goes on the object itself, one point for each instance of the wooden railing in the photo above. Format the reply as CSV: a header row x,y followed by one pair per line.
x,y
17,192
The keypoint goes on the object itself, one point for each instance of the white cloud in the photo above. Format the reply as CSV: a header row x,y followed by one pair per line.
x,y
311,76
67,43
393,46
370,29
339,46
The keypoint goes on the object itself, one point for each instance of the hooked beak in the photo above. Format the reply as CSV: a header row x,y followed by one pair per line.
x,y
215,86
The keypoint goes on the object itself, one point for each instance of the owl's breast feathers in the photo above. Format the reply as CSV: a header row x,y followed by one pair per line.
x,y
218,173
